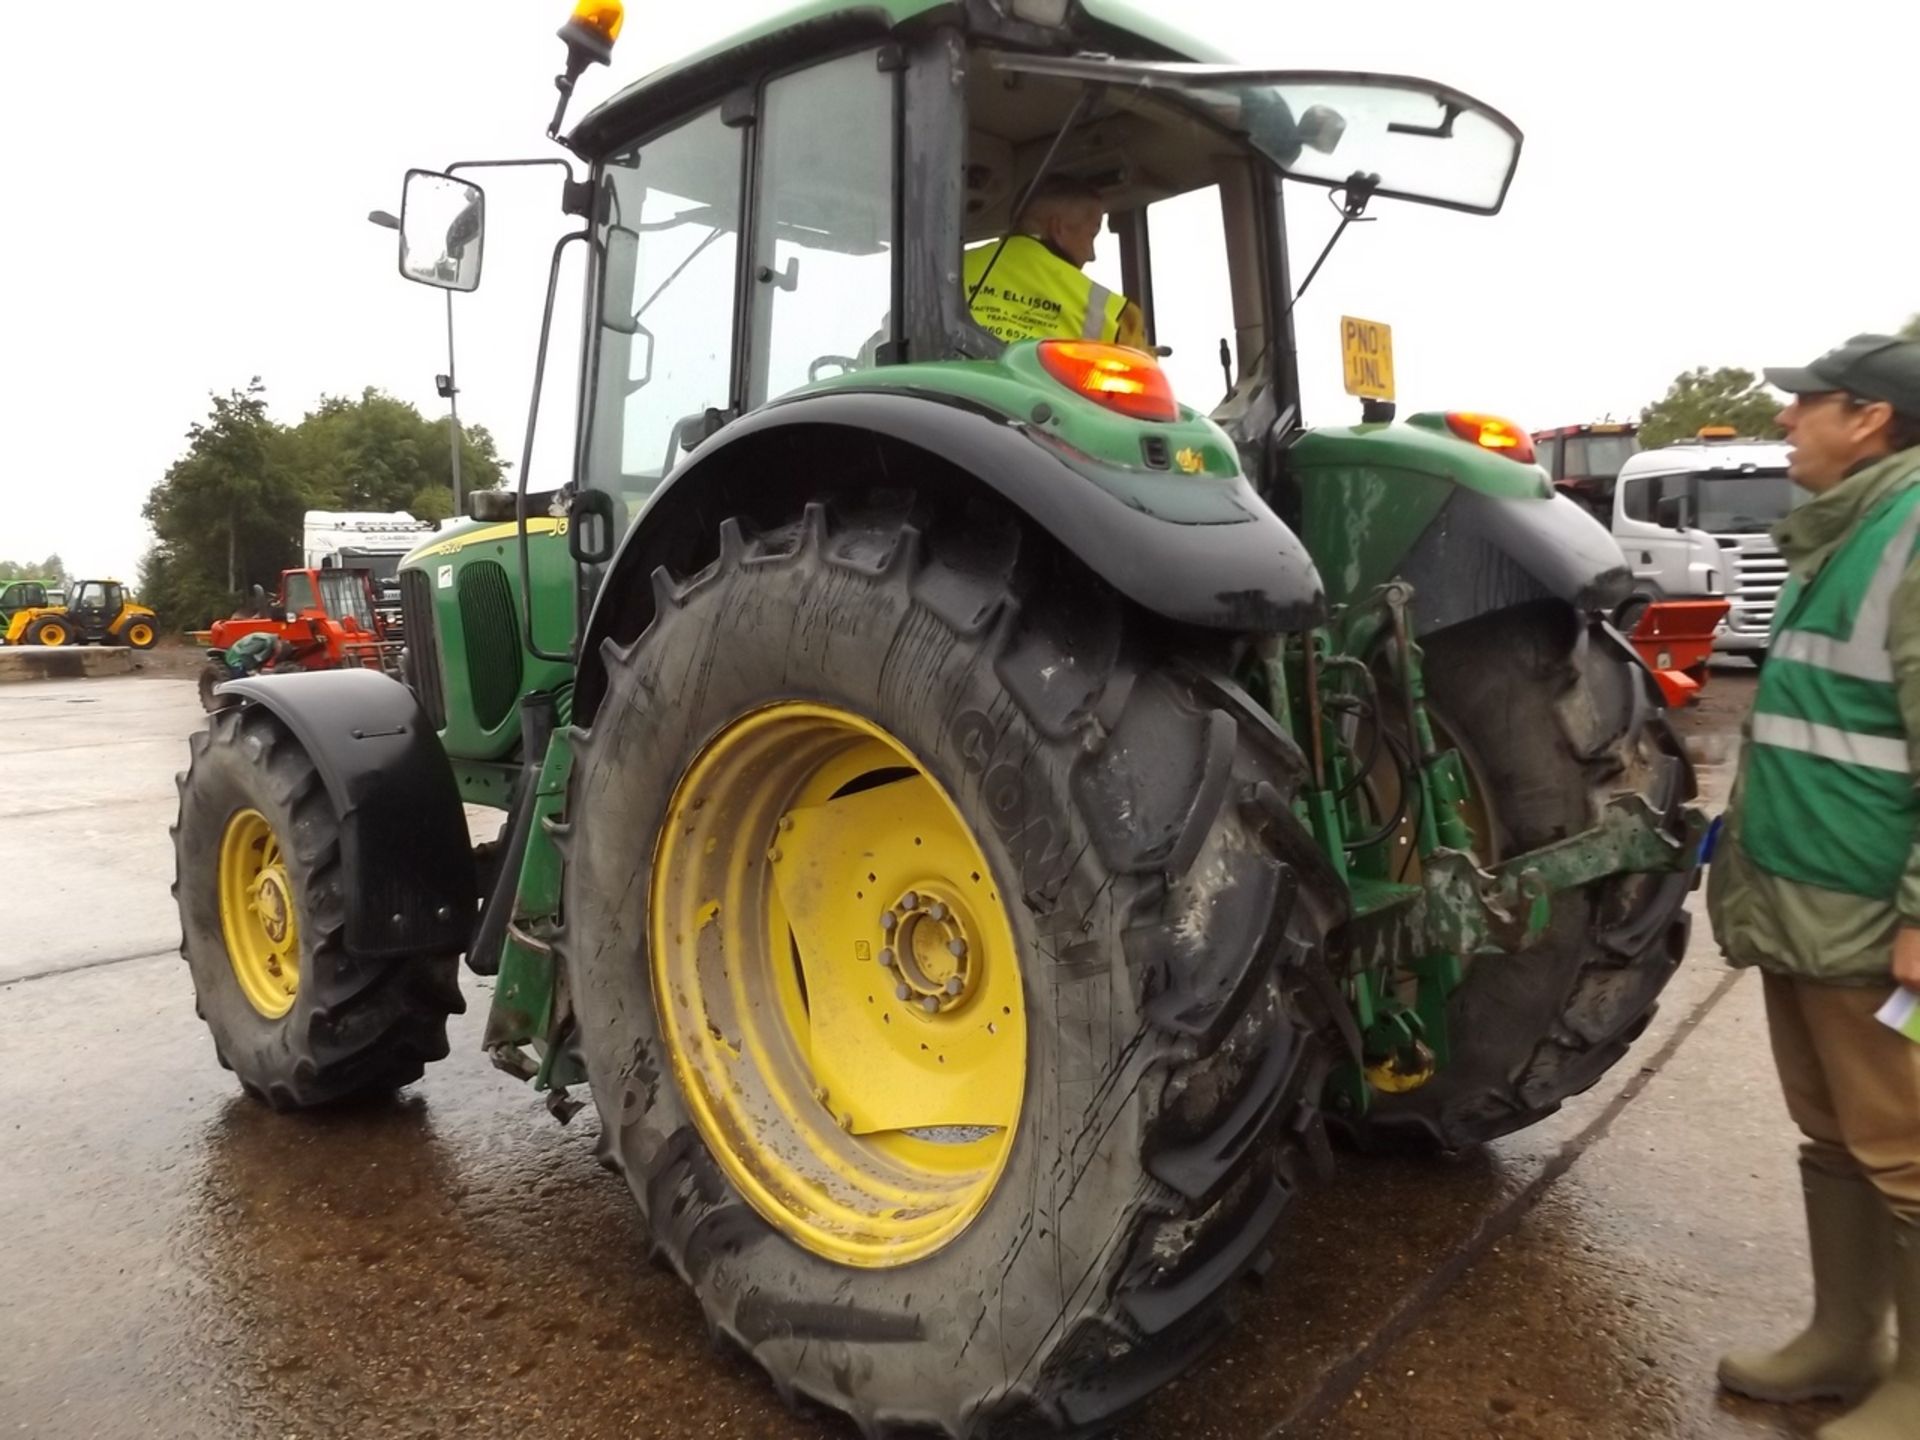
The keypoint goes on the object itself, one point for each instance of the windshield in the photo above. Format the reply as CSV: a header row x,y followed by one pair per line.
x,y
343,594
1414,140
1598,457
1735,504
383,564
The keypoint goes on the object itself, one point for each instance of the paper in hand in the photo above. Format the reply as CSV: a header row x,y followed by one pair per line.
x,y
1902,1013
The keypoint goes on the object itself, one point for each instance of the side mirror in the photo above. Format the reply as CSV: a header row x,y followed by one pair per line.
x,y
492,506
1674,512
442,230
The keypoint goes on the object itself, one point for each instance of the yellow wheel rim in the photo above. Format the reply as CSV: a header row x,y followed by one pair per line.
x,y
139,635
837,984
257,915
53,634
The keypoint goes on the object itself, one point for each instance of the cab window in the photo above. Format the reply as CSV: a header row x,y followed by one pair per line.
x,y
1637,497
668,238
821,280
1183,197
299,592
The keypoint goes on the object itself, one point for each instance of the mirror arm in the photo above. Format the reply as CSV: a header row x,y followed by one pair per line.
x,y
526,451
1358,191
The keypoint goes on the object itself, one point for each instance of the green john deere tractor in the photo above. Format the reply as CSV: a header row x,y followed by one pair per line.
x,y
974,823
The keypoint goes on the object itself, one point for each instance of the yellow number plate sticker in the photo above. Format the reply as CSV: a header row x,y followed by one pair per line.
x,y
1366,349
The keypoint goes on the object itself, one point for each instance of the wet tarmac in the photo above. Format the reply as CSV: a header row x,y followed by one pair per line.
x,y
180,1262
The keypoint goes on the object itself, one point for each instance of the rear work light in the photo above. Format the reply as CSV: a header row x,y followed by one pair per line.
x,y
1490,432
1128,381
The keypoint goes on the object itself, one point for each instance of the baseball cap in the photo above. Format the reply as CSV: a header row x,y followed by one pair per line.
x,y
1874,367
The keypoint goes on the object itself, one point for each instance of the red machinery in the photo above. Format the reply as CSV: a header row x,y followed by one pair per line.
x,y
1674,635
326,616
1675,638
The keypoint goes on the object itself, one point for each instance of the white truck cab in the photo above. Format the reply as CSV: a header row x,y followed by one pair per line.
x,y
374,541
1726,492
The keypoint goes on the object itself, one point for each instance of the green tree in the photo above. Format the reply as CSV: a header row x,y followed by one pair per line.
x,y
50,570
226,513
1728,396
379,453
1911,330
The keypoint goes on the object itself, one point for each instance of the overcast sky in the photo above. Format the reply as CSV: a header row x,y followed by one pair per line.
x,y
1702,183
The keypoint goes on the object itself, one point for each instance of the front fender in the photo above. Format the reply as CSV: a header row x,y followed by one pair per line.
x,y
408,879
1209,554
1471,531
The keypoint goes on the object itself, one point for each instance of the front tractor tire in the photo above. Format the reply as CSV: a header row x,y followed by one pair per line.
x,y
1554,717
258,880
943,994
54,630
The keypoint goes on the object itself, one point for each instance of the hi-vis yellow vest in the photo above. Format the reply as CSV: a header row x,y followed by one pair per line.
x,y
1032,294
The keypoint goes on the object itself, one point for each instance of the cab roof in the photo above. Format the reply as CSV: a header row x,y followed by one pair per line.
x,y
1691,457
820,27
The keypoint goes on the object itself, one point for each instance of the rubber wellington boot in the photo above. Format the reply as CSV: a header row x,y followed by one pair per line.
x,y
1893,1411
1846,1351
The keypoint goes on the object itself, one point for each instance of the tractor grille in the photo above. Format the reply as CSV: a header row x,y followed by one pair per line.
x,y
493,641
423,652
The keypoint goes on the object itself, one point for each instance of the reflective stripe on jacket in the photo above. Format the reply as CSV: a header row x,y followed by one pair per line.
x,y
1830,798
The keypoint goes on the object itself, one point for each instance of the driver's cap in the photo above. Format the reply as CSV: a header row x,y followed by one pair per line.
x,y
1874,367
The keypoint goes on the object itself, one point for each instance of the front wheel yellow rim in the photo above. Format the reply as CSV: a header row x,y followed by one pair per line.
x,y
257,915
140,635
837,984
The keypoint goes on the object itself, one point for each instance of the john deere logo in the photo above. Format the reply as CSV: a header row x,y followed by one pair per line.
x,y
1190,461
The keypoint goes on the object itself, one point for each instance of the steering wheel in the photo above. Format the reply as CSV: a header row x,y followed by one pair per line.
x,y
846,363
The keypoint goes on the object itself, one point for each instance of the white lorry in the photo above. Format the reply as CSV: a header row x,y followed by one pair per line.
x,y
1730,490
374,541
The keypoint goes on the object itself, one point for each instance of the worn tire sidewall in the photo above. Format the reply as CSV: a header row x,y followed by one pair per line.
x,y
224,779
804,628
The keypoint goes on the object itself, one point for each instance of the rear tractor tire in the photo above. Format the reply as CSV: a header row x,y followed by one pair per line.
x,y
258,880
142,635
1554,718
955,1037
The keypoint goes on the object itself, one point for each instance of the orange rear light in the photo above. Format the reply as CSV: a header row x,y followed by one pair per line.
x,y
1119,378
1490,432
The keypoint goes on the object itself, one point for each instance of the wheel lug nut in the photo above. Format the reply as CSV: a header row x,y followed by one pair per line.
x,y
889,920
900,992
786,822
953,985
936,911
886,958
957,949
910,900
930,1004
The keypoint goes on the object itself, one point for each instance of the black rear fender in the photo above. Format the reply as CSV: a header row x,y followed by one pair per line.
x,y
1240,569
409,883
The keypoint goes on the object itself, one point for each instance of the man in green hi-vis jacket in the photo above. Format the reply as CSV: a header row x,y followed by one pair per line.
x,y
1816,879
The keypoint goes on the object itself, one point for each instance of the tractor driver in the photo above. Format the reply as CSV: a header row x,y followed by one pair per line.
x,y
1036,289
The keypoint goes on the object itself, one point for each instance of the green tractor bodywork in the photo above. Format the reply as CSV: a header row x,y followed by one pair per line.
x,y
1310,570
1362,498
17,595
